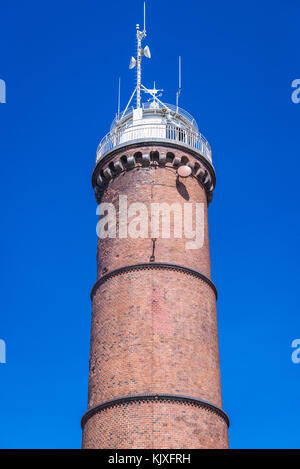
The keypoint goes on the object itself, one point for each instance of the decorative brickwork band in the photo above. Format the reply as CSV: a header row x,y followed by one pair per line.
x,y
113,165
154,265
187,400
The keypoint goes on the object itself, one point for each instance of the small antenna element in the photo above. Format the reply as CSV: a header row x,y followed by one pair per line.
x,y
179,86
119,98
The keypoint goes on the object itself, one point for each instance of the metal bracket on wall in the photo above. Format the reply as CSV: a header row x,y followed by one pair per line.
x,y
152,258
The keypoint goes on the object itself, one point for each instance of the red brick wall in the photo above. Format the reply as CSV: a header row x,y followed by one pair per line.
x,y
149,185
154,331
149,425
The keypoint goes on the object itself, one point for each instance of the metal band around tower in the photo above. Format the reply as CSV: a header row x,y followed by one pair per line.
x,y
155,397
154,265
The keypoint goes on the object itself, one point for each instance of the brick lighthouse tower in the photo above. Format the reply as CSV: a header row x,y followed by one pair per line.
x,y
154,377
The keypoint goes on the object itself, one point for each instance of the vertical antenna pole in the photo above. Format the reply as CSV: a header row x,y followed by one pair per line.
x,y
180,72
138,67
139,36
119,98
179,84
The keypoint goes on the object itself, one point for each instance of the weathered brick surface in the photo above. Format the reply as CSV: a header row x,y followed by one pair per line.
x,y
154,331
149,425
153,185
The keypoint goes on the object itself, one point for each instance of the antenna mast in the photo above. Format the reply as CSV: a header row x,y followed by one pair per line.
x,y
179,85
138,61
140,52
119,98
139,35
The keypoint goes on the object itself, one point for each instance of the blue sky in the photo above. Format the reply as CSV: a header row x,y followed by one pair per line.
x,y
61,62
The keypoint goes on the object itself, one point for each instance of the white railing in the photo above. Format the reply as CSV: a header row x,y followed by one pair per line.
x,y
148,131
176,111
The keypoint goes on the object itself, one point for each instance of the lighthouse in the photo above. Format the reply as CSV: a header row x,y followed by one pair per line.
x,y
154,373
